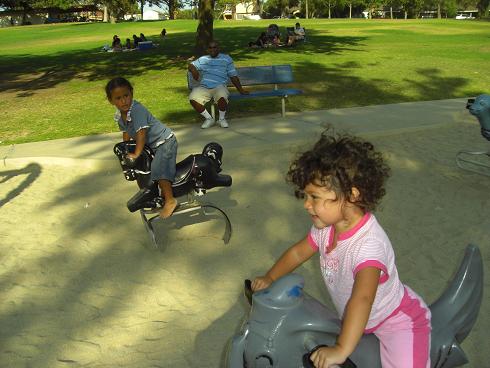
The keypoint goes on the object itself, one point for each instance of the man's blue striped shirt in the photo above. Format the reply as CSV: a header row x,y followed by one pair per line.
x,y
215,71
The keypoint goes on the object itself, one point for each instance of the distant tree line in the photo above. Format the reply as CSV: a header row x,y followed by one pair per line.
x,y
115,9
374,8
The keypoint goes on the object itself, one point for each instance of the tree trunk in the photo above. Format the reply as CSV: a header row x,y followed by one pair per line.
x,y
350,10
306,9
171,9
204,33
106,14
142,2
439,10
391,12
260,5
406,14
482,6
329,14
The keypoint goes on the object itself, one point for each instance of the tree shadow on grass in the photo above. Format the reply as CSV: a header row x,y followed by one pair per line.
x,y
434,84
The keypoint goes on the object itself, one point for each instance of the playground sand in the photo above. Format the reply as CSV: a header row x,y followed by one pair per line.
x,y
82,287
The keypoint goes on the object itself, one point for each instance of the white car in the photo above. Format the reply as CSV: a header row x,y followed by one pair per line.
x,y
252,16
464,16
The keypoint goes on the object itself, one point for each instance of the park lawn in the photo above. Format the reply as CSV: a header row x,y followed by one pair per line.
x,y
52,77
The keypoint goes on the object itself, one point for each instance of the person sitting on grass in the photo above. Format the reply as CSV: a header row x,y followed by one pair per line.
x,y
276,41
138,124
272,32
163,33
143,38
260,42
297,34
116,43
136,40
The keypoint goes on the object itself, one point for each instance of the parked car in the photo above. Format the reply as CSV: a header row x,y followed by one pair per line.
x,y
252,16
465,16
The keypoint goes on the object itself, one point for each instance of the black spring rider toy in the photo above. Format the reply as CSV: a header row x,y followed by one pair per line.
x,y
194,176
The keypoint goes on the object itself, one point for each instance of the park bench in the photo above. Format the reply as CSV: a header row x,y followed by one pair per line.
x,y
258,76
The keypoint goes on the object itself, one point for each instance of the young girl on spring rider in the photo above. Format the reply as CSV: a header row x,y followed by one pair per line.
x,y
342,180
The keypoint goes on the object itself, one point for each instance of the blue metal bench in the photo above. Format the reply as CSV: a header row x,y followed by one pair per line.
x,y
261,75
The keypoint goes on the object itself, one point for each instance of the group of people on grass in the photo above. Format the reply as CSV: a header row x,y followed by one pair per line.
x,y
272,37
341,180
117,44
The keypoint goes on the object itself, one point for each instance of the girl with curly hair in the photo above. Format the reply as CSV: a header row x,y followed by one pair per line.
x,y
341,180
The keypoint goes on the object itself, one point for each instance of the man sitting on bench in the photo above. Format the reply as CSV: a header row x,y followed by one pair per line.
x,y
215,69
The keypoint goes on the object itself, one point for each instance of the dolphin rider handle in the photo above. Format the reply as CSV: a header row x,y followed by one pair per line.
x,y
307,363
310,344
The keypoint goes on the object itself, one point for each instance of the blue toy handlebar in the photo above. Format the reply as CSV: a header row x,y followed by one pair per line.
x,y
307,363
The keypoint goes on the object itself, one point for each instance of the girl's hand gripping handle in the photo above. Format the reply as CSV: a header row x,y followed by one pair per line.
x,y
307,363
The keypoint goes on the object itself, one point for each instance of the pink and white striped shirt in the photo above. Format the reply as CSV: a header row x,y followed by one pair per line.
x,y
366,245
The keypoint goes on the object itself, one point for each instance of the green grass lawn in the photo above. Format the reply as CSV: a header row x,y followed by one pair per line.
x,y
52,77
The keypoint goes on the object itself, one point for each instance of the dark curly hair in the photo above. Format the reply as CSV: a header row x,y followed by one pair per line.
x,y
342,162
116,83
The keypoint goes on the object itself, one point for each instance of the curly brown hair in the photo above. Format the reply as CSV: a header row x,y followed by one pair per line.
x,y
342,162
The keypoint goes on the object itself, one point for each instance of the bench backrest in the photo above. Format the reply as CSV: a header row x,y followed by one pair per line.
x,y
271,74
255,75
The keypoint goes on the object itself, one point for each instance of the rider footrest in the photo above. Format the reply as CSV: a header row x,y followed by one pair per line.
x,y
145,198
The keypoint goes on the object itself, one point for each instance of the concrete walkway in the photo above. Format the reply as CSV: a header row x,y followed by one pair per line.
x,y
81,287
265,130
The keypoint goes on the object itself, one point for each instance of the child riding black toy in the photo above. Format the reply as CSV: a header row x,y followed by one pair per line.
x,y
195,175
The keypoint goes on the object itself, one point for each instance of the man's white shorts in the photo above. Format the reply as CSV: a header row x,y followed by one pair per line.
x,y
202,95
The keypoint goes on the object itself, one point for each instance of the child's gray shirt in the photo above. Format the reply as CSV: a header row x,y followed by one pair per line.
x,y
138,118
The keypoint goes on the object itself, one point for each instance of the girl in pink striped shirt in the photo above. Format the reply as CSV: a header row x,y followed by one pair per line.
x,y
342,180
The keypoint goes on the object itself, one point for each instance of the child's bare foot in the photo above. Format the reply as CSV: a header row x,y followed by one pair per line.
x,y
168,208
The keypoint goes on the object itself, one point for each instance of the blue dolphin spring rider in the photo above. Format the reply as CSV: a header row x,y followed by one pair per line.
x,y
341,180
285,324
194,176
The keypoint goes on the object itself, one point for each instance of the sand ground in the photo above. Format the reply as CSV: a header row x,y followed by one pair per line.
x,y
81,286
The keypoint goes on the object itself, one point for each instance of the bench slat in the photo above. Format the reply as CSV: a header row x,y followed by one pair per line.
x,y
272,74
257,75
273,93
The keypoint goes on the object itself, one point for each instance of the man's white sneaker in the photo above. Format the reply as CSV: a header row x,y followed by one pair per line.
x,y
223,123
208,123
